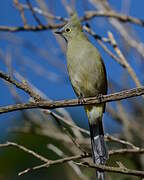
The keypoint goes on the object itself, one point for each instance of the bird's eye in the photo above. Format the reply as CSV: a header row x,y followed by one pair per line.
x,y
68,30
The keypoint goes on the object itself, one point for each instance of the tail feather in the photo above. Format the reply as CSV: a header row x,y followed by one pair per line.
x,y
99,150
99,153
100,175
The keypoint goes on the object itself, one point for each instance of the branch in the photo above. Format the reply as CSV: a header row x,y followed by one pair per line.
x,y
31,28
36,97
126,151
45,13
59,161
75,102
121,170
86,155
123,59
25,150
21,10
76,157
91,14
111,14
67,122
88,15
114,139
33,12
20,85
100,40
75,167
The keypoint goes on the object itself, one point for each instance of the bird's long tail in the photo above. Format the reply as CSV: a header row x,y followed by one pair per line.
x,y
99,150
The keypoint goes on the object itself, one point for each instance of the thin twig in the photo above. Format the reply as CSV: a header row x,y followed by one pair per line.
x,y
126,151
33,13
111,14
46,27
25,150
81,156
75,167
100,40
123,59
45,13
63,160
31,28
91,14
59,161
67,122
20,85
21,10
68,134
113,169
120,28
112,138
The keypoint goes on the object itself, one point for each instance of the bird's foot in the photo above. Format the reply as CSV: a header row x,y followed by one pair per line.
x,y
81,99
99,96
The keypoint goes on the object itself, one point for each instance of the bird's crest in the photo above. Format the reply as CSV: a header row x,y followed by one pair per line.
x,y
74,20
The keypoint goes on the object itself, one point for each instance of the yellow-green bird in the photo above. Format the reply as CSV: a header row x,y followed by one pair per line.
x,y
88,78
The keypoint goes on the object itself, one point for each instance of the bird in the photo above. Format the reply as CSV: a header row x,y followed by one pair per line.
x,y
88,78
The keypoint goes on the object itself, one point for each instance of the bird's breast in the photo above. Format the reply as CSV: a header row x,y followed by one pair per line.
x,y
85,70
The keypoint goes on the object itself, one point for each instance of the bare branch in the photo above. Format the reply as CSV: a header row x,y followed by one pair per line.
x,y
81,156
12,144
113,169
123,59
31,28
126,151
111,14
112,138
76,157
75,102
76,168
100,40
45,13
33,13
59,161
91,14
123,18
21,10
66,122
20,85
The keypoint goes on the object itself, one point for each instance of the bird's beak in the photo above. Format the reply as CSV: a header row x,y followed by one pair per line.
x,y
58,32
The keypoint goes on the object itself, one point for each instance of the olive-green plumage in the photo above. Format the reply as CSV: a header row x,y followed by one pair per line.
x,y
88,78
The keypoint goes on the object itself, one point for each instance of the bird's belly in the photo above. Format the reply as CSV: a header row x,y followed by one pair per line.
x,y
86,74
84,83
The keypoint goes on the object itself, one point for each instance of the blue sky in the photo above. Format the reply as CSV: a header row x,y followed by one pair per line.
x,y
42,48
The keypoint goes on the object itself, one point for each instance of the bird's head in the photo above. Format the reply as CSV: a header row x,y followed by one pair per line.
x,y
71,29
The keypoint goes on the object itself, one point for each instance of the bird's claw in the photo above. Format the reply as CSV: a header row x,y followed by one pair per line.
x,y
81,99
99,96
